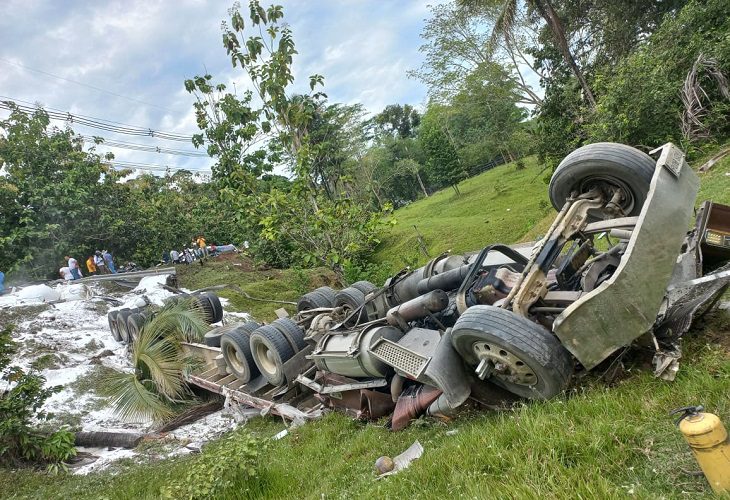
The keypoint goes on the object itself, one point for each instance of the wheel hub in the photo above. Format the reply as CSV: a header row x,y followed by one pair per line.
x,y
608,185
499,362
266,359
235,359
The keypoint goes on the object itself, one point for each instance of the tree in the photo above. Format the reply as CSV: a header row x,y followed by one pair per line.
x,y
443,163
398,121
506,22
458,41
299,128
50,194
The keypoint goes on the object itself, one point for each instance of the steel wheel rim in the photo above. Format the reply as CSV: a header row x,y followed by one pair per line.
x,y
234,359
265,358
508,367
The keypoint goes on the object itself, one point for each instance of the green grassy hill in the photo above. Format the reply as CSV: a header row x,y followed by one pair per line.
x,y
500,205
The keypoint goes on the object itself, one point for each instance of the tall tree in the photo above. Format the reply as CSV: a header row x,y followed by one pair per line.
x,y
505,25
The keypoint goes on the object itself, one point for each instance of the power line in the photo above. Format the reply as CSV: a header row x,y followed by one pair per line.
x,y
98,89
142,147
98,123
152,166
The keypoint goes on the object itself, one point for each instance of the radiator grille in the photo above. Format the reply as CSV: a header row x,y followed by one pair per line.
x,y
400,358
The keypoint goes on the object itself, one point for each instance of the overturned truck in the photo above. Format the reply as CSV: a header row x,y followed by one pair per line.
x,y
616,267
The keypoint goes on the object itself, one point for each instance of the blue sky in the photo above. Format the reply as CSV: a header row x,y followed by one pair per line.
x,y
143,50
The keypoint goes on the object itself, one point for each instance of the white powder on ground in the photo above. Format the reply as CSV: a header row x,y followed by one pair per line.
x,y
74,333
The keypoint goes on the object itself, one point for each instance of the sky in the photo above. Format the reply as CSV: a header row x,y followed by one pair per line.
x,y
125,61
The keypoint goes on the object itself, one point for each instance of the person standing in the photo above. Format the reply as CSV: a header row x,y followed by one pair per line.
x,y
202,246
99,263
109,261
2,282
90,265
73,266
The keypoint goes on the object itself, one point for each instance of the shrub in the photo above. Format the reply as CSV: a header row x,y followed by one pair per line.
x,y
20,406
227,465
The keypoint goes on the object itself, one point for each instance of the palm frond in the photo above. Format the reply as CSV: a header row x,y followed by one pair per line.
x,y
504,24
161,360
132,399
182,321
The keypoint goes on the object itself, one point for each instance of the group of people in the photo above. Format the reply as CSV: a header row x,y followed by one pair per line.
x,y
101,262
198,250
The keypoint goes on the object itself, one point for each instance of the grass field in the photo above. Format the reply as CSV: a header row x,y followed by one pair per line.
x,y
599,441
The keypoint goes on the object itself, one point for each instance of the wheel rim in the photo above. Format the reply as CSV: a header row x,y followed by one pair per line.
x,y
235,359
505,365
601,182
266,359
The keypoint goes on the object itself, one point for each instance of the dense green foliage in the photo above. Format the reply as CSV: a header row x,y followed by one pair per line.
x,y
20,410
60,200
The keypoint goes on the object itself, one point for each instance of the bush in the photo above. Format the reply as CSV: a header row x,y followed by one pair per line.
x,y
226,466
20,443
640,101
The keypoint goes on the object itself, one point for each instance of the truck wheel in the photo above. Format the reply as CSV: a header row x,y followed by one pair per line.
x,y
235,346
135,323
315,300
203,304
604,164
216,306
112,318
327,292
350,299
293,333
364,286
121,322
213,337
522,356
270,351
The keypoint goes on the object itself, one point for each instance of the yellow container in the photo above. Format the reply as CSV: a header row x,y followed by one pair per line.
x,y
709,442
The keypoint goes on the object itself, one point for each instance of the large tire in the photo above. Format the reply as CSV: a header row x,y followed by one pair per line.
x,y
315,300
604,163
528,360
213,337
217,307
326,292
293,333
112,318
121,321
236,349
135,323
350,299
270,350
203,304
364,286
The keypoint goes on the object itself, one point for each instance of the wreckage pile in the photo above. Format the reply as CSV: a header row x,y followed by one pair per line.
x,y
508,322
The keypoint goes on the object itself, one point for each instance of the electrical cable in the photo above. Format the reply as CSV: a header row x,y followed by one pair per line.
x,y
98,123
141,147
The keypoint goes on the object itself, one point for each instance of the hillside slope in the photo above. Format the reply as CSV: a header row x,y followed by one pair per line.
x,y
502,204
